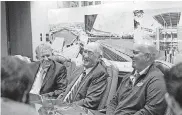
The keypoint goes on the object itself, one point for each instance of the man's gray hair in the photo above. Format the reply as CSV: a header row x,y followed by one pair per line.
x,y
43,46
147,46
97,47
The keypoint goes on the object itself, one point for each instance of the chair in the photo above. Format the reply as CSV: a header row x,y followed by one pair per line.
x,y
163,66
70,66
112,80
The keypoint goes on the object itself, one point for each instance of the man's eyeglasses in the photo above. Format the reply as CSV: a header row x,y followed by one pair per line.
x,y
90,53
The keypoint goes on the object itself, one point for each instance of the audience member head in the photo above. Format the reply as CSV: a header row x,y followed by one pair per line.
x,y
43,53
91,54
23,58
144,53
16,79
173,80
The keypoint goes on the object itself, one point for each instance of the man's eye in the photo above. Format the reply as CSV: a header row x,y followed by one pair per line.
x,y
135,52
90,53
85,51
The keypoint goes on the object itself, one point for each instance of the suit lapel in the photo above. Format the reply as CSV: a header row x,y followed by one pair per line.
x,y
77,74
144,74
49,74
86,78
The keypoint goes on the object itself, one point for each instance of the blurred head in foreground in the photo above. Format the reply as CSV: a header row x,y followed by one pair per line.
x,y
23,58
16,79
174,88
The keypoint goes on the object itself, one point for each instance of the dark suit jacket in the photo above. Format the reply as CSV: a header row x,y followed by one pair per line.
x,y
145,97
91,89
55,81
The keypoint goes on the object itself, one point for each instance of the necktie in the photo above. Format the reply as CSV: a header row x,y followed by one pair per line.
x,y
72,92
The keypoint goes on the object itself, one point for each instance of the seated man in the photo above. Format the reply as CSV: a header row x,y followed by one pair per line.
x,y
49,76
174,88
16,82
89,80
142,91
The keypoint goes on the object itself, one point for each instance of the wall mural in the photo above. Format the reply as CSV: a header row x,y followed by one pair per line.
x,y
115,29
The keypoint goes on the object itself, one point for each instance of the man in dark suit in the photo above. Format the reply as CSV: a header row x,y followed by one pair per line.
x,y
89,80
49,76
141,92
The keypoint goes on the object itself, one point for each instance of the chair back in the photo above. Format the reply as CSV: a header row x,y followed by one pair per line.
x,y
163,66
112,80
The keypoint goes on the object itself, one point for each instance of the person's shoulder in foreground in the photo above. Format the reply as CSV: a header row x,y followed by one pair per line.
x,y
173,80
10,107
16,82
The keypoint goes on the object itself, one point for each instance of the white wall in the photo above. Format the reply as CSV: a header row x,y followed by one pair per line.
x,y
4,50
39,19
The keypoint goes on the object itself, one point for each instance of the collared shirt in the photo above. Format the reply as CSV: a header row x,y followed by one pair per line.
x,y
144,70
88,70
136,74
38,80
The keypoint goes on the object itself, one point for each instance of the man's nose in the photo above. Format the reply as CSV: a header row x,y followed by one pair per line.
x,y
85,54
132,56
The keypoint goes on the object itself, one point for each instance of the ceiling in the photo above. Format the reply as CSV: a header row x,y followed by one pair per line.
x,y
168,19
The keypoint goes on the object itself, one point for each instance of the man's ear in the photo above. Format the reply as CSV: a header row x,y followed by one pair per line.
x,y
147,57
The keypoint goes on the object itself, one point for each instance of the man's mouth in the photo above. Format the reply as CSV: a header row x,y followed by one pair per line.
x,y
86,60
133,61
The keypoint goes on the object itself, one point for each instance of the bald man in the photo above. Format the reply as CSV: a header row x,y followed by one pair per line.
x,y
142,91
90,80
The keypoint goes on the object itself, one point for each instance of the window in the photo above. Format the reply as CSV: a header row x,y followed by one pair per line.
x,y
97,2
90,3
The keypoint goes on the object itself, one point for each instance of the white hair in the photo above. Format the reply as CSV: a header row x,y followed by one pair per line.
x,y
96,47
147,46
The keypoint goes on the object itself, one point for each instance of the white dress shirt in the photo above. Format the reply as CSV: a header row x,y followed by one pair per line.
x,y
133,77
38,81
